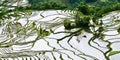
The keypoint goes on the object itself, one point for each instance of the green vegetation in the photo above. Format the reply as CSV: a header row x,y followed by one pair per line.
x,y
68,24
83,7
74,3
118,30
90,1
113,53
47,5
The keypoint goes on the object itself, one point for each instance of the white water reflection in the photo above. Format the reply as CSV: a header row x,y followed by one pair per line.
x,y
83,45
78,44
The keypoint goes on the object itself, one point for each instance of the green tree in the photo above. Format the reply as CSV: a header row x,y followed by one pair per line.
x,y
90,1
83,7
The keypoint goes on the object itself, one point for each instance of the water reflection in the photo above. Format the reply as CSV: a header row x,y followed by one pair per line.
x,y
55,46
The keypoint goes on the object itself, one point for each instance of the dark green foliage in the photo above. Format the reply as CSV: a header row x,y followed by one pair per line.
x,y
5,14
82,22
20,8
47,5
118,30
34,2
101,29
83,7
64,2
72,3
107,9
90,1
68,24
118,0
3,3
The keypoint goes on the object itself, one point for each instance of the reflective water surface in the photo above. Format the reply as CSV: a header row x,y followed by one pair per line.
x,y
55,46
